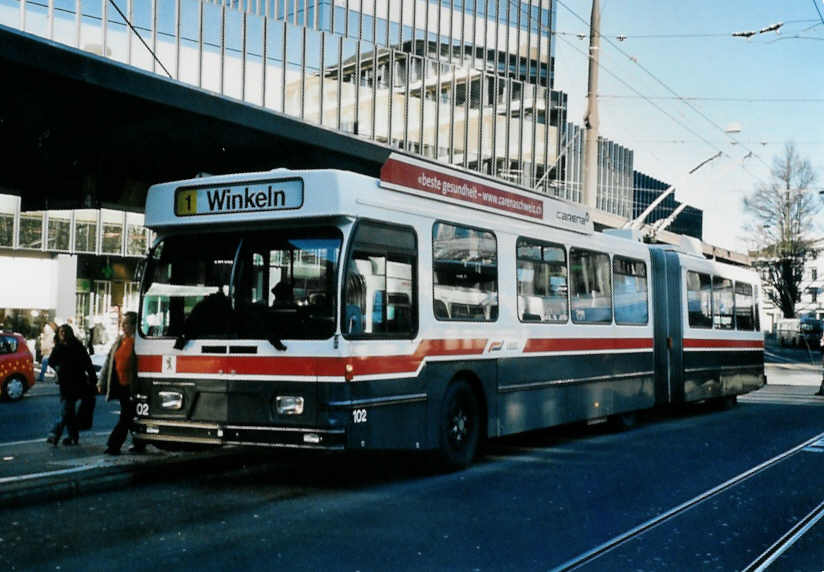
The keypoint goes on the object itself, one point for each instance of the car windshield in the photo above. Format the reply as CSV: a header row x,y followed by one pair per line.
x,y
252,285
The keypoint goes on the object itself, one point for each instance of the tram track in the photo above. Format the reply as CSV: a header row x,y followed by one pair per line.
x,y
789,538
760,563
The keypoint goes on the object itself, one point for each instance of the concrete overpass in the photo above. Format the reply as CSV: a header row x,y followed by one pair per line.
x,y
78,130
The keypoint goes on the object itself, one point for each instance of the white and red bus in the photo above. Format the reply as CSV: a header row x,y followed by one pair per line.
x,y
425,310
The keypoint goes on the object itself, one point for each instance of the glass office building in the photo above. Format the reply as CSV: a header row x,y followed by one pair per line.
x,y
467,82
615,168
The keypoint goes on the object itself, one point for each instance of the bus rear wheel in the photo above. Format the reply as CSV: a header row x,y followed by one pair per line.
x,y
459,430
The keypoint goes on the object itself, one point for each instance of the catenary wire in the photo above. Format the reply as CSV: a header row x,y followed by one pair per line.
x,y
663,84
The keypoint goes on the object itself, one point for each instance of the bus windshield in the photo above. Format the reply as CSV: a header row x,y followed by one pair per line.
x,y
273,284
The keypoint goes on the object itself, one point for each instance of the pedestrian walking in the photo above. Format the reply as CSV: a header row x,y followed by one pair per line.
x,y
46,340
117,378
75,377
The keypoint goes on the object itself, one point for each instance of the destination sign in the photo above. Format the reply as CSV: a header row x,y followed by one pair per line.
x,y
253,196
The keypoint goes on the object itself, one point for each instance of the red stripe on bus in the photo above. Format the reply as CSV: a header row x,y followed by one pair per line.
x,y
586,344
703,343
149,364
312,366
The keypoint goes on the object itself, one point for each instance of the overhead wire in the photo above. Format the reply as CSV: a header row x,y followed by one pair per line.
x,y
719,99
680,35
643,96
664,85
817,9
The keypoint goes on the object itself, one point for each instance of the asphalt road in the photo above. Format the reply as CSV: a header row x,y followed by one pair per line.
x,y
34,415
543,500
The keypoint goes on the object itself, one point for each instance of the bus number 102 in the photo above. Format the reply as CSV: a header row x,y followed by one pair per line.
x,y
359,415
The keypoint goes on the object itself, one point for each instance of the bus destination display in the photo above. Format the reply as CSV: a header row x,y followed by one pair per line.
x,y
243,197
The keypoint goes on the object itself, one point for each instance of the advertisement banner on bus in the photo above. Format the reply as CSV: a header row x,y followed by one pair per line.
x,y
408,174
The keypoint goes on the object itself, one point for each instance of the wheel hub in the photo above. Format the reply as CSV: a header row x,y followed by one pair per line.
x,y
459,426
14,389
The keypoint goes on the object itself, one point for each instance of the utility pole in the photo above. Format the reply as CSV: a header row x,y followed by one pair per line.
x,y
591,121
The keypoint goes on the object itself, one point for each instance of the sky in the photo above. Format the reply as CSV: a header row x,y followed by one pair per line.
x,y
678,79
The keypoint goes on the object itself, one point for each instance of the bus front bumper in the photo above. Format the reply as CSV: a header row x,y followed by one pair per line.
x,y
202,433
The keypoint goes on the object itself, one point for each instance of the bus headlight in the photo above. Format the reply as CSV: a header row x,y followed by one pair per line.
x,y
171,399
289,405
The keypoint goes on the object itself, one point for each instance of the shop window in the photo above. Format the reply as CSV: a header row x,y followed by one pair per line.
x,y
31,230
59,233
137,243
85,231
112,232
6,229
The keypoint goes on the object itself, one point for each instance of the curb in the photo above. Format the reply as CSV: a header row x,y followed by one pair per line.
x,y
49,487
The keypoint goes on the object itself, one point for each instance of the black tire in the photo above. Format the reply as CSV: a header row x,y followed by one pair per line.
x,y
14,387
459,426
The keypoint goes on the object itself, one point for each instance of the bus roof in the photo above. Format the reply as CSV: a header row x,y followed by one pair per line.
x,y
282,193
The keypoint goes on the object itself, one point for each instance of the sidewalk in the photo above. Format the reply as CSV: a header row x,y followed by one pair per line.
x,y
34,471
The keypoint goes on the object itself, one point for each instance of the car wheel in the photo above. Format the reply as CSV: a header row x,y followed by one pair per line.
x,y
459,426
14,388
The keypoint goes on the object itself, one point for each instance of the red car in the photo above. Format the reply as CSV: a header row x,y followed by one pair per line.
x,y
16,366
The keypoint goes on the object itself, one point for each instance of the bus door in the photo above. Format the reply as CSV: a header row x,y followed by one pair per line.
x,y
379,322
668,330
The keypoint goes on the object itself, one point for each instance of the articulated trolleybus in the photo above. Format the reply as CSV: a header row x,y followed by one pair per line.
x,y
427,309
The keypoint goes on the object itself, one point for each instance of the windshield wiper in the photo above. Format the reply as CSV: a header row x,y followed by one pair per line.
x,y
277,343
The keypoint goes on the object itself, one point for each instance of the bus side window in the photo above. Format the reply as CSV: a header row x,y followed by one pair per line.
x,y
629,279
381,282
464,273
542,281
723,303
699,300
590,286
744,306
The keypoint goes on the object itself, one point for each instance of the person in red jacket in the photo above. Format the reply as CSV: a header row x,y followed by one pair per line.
x,y
117,377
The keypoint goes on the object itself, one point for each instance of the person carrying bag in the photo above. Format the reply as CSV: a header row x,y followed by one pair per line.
x,y
85,411
76,377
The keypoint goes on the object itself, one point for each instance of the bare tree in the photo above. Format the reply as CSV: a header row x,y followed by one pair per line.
x,y
783,211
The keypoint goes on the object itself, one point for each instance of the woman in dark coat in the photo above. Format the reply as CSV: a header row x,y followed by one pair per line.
x,y
76,378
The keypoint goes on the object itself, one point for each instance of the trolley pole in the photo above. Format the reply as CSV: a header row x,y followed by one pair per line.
x,y
591,120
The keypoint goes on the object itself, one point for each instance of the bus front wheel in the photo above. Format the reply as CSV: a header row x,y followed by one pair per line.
x,y
459,426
